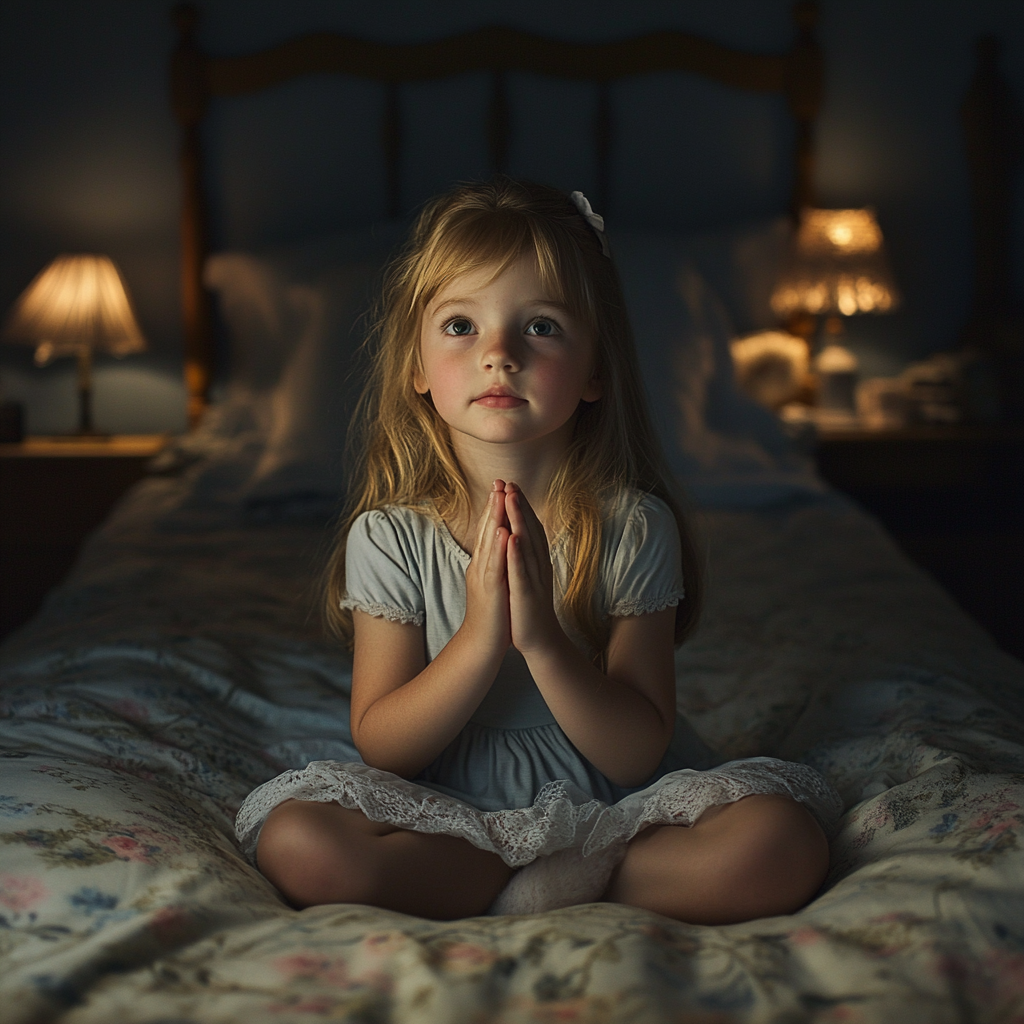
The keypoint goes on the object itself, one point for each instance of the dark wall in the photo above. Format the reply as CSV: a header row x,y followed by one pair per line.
x,y
88,149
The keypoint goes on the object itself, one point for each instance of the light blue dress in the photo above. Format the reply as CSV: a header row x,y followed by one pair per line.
x,y
406,566
511,782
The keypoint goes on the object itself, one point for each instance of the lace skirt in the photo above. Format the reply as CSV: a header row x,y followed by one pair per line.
x,y
566,844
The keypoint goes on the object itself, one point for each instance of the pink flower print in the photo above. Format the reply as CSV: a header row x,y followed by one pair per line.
x,y
153,839
320,1005
464,957
21,892
170,925
579,1008
130,709
1009,973
331,970
127,848
806,937
384,944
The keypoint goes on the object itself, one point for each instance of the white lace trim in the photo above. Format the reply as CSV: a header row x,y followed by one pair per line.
x,y
646,605
385,611
681,797
570,842
518,836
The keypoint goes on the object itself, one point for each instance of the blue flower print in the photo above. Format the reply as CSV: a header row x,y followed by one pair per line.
x,y
90,900
12,807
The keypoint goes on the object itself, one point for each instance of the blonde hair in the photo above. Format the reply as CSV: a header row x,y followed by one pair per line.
x,y
399,451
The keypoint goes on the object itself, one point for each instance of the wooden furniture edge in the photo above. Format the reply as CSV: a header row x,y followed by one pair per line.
x,y
965,432
114,446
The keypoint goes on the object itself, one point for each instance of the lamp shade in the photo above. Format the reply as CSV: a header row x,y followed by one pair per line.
x,y
77,301
838,265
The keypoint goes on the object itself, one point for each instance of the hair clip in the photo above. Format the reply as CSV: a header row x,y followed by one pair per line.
x,y
595,220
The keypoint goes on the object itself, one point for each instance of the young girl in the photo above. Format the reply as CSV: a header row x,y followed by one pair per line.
x,y
510,573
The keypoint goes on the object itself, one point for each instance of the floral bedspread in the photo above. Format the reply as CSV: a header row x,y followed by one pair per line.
x,y
182,664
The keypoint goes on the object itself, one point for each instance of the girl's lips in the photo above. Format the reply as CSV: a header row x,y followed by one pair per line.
x,y
500,401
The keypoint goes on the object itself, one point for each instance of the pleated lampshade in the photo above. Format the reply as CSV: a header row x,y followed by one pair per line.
x,y
838,266
75,306
76,300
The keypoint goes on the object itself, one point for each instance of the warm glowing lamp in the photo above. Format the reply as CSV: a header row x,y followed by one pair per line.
x,y
74,306
838,267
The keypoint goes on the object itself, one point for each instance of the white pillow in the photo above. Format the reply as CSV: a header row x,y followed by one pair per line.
x,y
262,316
313,402
296,312
295,317
727,450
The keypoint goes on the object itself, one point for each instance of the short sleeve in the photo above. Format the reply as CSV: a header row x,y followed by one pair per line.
x,y
644,573
381,575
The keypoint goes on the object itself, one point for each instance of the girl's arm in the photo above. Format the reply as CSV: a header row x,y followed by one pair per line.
x,y
404,711
621,721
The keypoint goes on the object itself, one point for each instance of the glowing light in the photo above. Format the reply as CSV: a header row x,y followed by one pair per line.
x,y
76,305
770,366
838,265
75,301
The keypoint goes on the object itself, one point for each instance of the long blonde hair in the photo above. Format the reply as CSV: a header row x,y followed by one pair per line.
x,y
399,448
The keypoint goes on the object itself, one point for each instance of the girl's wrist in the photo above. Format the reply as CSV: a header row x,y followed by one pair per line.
x,y
555,646
481,643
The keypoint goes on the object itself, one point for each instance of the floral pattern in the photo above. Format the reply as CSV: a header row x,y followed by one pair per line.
x,y
178,668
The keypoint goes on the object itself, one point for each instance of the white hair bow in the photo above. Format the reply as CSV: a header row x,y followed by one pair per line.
x,y
595,220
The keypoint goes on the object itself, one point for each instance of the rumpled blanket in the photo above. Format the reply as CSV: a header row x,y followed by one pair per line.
x,y
182,664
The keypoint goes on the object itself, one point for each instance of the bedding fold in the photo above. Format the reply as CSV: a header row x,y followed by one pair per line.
x,y
179,667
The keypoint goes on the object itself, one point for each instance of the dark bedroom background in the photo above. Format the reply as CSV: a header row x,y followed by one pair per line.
x,y
89,163
88,150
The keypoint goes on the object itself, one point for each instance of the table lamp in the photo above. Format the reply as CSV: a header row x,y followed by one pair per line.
x,y
838,267
74,306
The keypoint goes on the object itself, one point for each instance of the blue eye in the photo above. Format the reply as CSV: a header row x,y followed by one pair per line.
x,y
458,327
543,328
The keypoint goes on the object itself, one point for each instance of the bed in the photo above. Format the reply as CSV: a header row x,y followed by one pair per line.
x,y
181,664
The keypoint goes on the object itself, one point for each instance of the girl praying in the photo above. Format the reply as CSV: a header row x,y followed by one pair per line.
x,y
513,573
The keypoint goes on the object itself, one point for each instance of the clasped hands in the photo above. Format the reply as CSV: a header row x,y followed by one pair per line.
x,y
509,588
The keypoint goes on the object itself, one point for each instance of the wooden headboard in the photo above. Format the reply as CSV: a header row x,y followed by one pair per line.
x,y
197,77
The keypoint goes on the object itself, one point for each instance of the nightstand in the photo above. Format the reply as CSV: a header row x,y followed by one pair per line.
x,y
53,493
953,499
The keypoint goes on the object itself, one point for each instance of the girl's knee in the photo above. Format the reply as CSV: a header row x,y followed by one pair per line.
x,y
758,857
775,855
783,835
306,851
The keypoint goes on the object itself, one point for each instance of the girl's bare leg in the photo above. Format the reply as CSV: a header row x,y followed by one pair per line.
x,y
324,853
757,857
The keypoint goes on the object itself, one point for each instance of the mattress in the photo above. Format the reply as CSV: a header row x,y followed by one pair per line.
x,y
183,663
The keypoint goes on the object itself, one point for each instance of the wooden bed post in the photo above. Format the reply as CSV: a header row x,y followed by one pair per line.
x,y
804,80
189,95
994,144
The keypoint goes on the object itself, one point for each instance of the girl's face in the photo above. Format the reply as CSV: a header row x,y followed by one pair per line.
x,y
502,359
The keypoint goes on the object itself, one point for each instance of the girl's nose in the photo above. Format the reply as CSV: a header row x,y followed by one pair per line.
x,y
500,353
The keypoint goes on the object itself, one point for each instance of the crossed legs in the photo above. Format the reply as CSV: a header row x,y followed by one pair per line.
x,y
757,857
324,853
